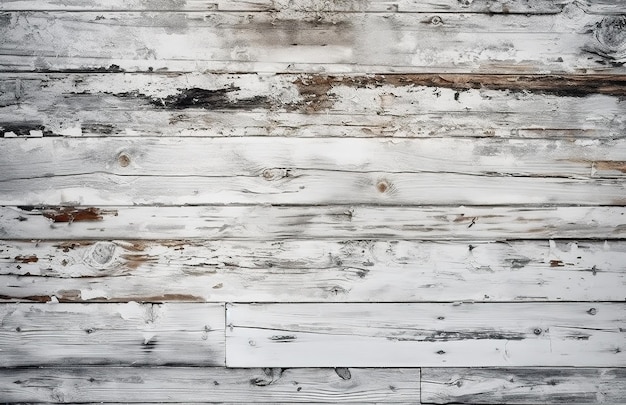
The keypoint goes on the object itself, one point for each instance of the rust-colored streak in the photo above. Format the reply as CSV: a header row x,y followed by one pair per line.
x,y
610,165
556,263
27,259
71,214
31,298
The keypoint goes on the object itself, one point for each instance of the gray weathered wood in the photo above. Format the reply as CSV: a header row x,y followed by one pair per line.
x,y
129,334
399,105
318,222
423,335
572,41
523,385
312,271
210,385
130,171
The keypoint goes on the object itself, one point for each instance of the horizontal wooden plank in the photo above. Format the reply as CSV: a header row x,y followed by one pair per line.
x,y
523,385
308,6
423,335
210,385
572,41
402,105
130,171
317,222
114,334
312,271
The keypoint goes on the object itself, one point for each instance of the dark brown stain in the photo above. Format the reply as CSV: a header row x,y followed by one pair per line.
x,y
98,69
27,259
99,129
31,298
72,214
206,99
556,263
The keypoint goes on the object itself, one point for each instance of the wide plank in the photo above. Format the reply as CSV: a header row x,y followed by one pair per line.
x,y
129,334
132,171
426,335
570,42
312,271
210,385
523,385
313,222
400,105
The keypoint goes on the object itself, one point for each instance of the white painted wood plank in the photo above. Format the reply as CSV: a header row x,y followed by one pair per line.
x,y
426,105
572,41
423,335
210,385
131,171
523,385
328,222
113,334
312,271
308,6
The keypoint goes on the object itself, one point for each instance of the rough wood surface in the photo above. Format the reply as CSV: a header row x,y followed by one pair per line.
x,y
184,385
129,334
401,105
312,271
569,42
131,171
523,385
422,335
326,222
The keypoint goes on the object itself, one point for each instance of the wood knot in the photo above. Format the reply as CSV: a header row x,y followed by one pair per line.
x,y
100,255
123,159
466,3
436,20
592,311
275,174
610,34
382,186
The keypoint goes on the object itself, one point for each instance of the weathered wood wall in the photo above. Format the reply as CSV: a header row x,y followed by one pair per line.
x,y
313,201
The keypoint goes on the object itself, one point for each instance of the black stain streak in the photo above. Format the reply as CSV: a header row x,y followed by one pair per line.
x,y
445,336
149,345
5,19
207,99
282,338
519,263
23,129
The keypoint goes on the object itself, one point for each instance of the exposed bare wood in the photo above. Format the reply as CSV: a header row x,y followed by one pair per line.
x,y
572,41
312,271
409,335
510,106
129,334
329,222
523,385
210,385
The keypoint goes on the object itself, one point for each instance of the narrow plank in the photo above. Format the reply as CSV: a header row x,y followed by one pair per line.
x,y
210,385
131,171
425,335
316,222
312,271
307,6
569,42
402,105
111,334
523,386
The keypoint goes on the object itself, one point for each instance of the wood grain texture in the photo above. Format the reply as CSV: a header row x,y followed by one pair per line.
x,y
312,271
423,335
210,385
131,171
523,385
570,42
400,105
327,222
310,6
129,334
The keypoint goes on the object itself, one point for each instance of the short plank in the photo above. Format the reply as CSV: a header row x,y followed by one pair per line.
x,y
312,271
572,42
426,335
400,105
315,222
210,385
523,385
111,334
131,171
308,6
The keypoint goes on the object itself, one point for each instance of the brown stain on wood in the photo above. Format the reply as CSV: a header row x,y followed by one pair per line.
x,y
73,214
610,165
27,259
316,90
